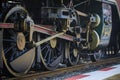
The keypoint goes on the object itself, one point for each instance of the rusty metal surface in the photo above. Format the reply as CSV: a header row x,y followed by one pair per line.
x,y
64,70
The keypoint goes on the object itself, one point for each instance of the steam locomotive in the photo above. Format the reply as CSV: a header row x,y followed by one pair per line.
x,y
42,34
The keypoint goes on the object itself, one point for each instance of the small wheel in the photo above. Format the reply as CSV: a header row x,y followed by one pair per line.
x,y
72,53
51,53
17,55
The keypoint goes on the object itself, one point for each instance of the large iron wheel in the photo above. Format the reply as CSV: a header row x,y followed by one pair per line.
x,y
51,53
72,52
18,56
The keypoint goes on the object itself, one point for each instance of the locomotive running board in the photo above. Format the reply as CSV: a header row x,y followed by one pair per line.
x,y
48,31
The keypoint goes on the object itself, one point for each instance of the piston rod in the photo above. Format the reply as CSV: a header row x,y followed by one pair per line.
x,y
81,13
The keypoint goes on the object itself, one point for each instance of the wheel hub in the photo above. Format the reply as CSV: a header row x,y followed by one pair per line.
x,y
53,43
75,52
21,41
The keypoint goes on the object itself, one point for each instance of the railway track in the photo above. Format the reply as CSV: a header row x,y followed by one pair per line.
x,y
38,75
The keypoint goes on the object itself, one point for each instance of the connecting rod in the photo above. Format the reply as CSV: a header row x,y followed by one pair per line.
x,y
47,39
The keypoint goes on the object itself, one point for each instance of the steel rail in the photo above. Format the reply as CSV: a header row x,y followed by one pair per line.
x,y
79,67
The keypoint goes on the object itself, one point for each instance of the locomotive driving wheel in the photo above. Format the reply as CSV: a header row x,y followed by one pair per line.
x,y
51,53
17,55
72,52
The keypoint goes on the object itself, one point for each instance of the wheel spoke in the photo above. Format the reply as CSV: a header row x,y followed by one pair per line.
x,y
13,38
12,56
9,40
49,57
7,50
58,49
55,51
47,53
50,54
44,47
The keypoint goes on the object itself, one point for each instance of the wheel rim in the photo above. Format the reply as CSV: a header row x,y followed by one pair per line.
x,y
51,55
17,55
72,52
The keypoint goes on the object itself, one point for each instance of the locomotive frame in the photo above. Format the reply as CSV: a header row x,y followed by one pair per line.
x,y
56,33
